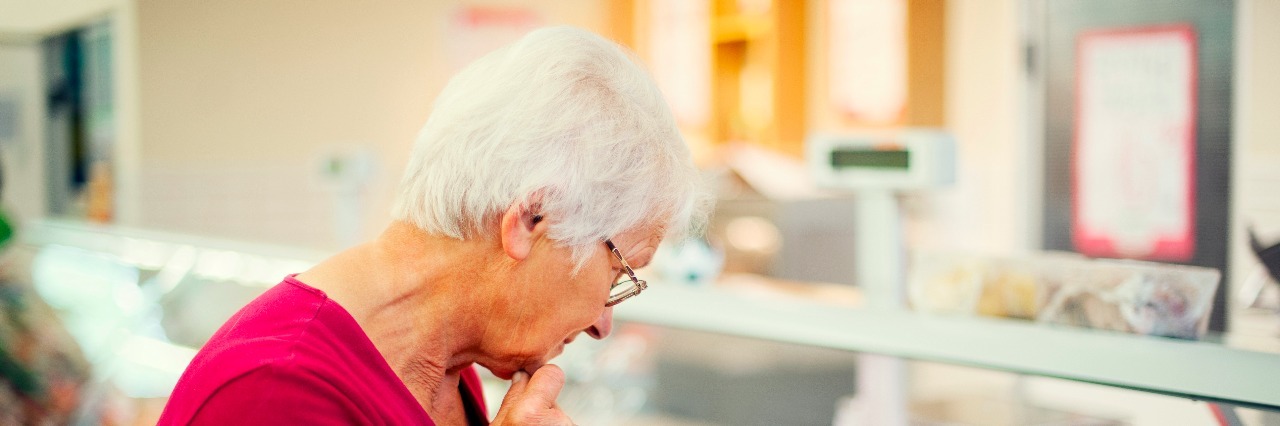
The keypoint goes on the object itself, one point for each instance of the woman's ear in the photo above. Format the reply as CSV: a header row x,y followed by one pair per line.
x,y
520,230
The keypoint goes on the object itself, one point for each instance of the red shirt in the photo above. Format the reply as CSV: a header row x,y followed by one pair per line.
x,y
293,356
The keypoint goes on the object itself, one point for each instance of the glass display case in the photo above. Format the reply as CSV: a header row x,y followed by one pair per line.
x,y
138,303
685,377
132,306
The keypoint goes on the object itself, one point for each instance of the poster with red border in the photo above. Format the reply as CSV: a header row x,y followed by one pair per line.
x,y
1133,165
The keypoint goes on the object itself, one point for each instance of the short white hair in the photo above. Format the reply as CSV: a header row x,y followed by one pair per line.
x,y
562,121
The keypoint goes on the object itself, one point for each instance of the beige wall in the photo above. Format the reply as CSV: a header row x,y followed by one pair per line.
x,y
240,99
28,20
984,211
1256,166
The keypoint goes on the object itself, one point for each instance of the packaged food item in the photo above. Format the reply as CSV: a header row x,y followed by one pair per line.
x,y
1010,289
1063,288
1020,287
1136,297
944,283
1007,287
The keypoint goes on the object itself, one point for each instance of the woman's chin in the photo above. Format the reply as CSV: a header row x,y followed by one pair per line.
x,y
531,368
508,369
507,373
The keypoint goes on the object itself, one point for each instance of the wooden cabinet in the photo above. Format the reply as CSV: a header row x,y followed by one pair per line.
x,y
758,58
765,68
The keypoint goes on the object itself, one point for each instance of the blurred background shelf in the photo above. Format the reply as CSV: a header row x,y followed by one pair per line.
x,y
133,242
1199,370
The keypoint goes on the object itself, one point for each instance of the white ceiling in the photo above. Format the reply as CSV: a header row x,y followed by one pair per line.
x,y
33,19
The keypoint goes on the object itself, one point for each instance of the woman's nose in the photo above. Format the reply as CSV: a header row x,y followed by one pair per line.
x,y
603,325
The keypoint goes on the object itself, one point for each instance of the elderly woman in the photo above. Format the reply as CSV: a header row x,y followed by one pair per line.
x,y
546,172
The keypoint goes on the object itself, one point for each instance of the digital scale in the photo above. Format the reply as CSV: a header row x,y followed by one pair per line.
x,y
906,160
876,168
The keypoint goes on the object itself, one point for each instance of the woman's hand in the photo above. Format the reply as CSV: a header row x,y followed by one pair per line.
x,y
532,400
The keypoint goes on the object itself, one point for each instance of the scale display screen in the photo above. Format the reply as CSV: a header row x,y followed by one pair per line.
x,y
847,158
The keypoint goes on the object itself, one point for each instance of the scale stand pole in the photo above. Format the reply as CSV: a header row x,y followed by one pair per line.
x,y
879,249
881,397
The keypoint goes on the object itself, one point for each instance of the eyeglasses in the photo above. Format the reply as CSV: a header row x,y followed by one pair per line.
x,y
627,287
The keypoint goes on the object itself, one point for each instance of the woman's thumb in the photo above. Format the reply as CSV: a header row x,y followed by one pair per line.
x,y
546,384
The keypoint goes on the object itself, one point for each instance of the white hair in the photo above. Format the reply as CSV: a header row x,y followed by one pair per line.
x,y
564,122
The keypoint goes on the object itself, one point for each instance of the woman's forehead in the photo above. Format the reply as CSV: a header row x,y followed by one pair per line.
x,y
639,237
638,246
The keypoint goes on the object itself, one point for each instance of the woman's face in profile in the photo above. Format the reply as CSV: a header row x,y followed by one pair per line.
x,y
550,307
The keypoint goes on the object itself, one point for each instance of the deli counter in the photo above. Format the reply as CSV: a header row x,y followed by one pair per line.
x,y
102,320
